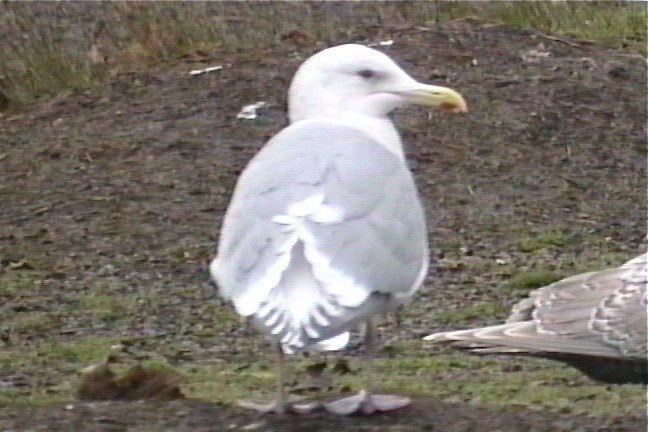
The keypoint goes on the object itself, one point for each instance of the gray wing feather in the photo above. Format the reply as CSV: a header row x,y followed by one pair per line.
x,y
375,233
598,314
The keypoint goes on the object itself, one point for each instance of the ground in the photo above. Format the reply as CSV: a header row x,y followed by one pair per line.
x,y
112,200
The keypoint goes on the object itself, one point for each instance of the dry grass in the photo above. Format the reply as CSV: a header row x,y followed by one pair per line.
x,y
51,47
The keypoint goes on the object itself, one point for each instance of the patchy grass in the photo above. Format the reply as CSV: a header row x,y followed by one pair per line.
x,y
63,47
471,312
18,283
27,321
543,240
612,23
481,380
228,383
532,279
488,382
21,311
105,306
75,353
58,360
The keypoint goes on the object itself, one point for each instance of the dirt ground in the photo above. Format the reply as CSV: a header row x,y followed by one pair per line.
x,y
112,200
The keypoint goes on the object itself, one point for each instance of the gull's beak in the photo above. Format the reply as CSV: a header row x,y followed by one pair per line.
x,y
443,98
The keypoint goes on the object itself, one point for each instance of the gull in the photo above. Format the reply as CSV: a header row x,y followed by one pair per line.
x,y
325,228
595,322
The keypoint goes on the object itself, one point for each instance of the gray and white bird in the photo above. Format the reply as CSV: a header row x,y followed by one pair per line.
x,y
595,322
325,228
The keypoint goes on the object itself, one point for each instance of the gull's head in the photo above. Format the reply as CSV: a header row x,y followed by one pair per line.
x,y
354,79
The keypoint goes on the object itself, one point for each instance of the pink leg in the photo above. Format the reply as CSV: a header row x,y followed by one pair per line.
x,y
366,402
281,405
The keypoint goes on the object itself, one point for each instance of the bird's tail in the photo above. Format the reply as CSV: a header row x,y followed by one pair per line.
x,y
520,337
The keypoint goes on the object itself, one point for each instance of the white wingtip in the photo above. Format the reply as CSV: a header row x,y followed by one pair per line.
x,y
436,337
333,344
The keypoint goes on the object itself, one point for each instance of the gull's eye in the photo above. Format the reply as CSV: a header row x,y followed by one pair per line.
x,y
367,73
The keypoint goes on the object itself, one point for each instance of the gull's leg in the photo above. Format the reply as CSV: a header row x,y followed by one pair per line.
x,y
281,381
378,402
366,402
281,405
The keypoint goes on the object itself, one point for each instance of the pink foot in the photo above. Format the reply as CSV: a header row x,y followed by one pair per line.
x,y
364,403
301,408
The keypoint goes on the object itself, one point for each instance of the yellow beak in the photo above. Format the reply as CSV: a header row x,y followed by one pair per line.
x,y
443,98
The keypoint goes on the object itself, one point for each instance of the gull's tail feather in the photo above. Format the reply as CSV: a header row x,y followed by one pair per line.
x,y
301,314
520,338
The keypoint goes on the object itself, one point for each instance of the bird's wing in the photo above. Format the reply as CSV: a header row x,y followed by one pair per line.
x,y
599,314
321,220
621,318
